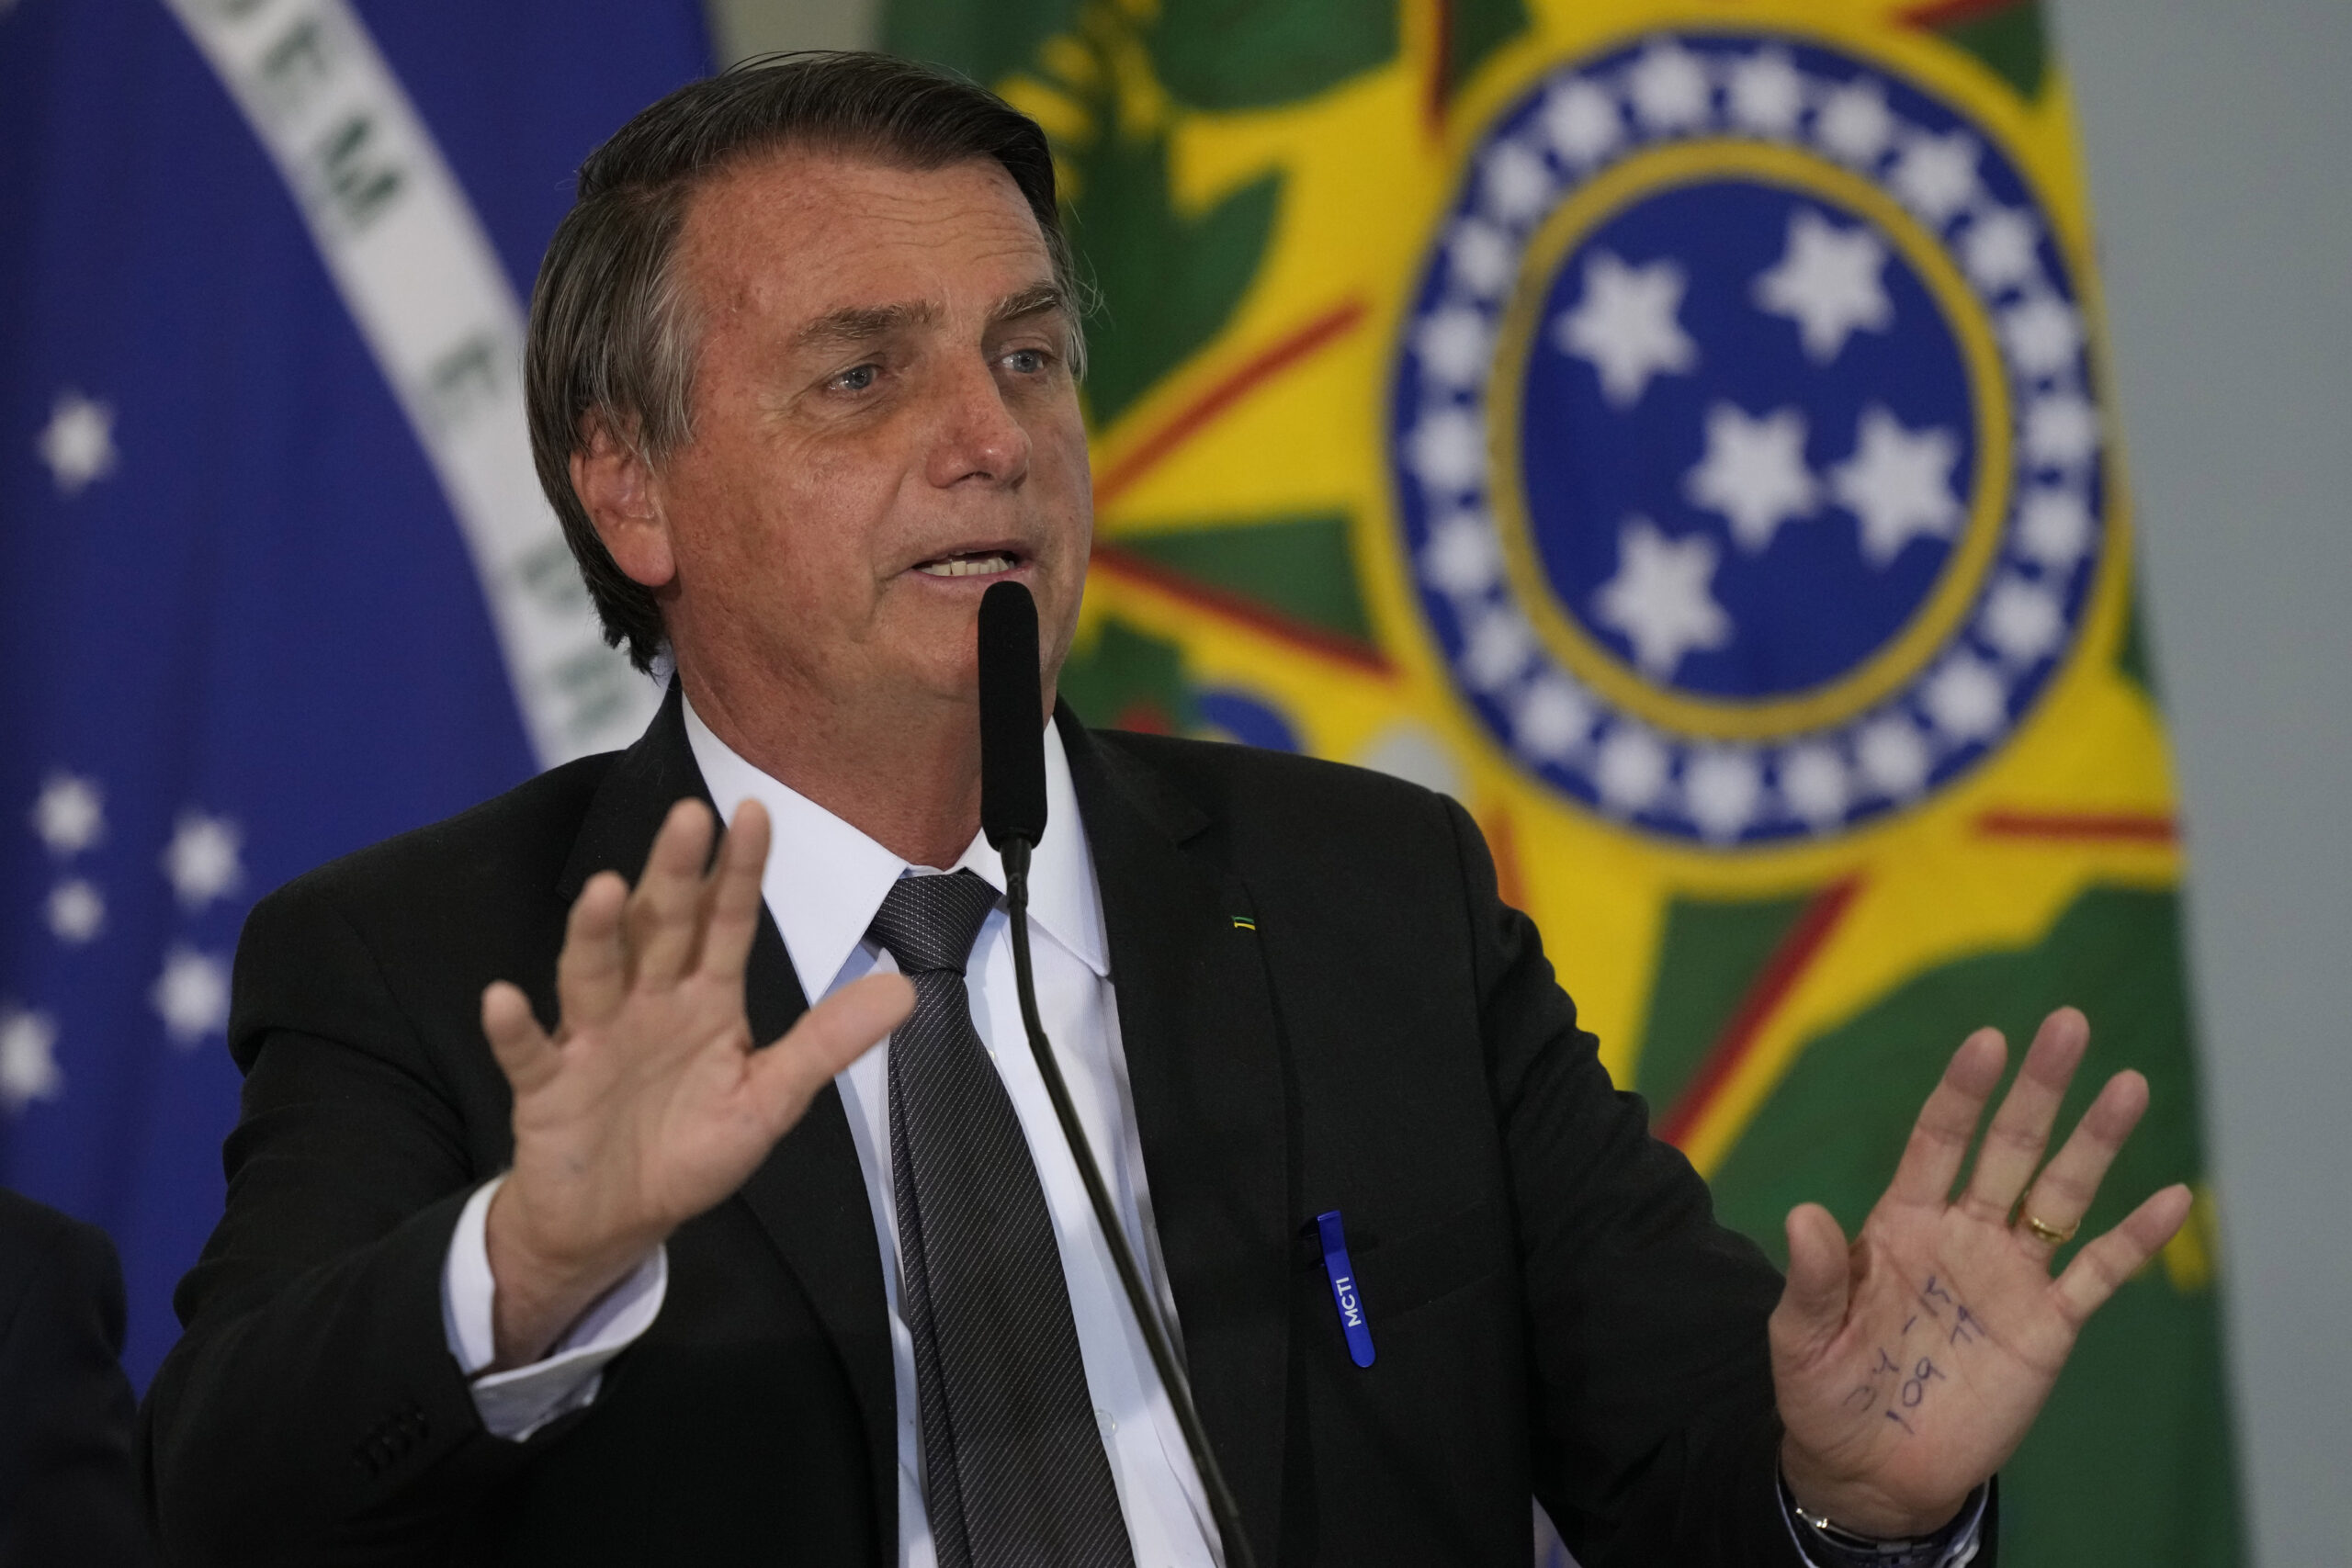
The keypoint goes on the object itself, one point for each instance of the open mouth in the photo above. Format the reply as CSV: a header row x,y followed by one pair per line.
x,y
971,563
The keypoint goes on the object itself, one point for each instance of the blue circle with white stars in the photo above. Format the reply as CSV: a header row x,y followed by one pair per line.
x,y
1520,470
1638,459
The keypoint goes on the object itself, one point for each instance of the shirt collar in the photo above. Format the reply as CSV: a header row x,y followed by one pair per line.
x,y
825,879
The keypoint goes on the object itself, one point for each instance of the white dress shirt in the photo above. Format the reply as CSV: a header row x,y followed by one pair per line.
x,y
824,883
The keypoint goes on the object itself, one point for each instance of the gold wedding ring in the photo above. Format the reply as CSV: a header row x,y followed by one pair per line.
x,y
2050,1232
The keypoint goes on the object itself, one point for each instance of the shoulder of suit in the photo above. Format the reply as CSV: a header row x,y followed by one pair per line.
x,y
1246,784
37,1243
27,1226
520,837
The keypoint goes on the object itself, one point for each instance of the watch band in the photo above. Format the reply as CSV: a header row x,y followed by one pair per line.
x,y
1851,1549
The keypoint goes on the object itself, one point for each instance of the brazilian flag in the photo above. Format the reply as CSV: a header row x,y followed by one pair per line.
x,y
1678,431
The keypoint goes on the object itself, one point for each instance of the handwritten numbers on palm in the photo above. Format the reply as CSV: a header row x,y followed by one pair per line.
x,y
1909,1366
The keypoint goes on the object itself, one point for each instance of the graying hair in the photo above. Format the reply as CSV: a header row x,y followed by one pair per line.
x,y
614,336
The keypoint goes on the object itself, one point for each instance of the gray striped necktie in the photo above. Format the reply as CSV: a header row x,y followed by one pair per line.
x,y
1014,1475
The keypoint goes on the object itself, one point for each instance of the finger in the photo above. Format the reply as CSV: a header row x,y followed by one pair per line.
x,y
829,1037
735,893
592,972
2062,1194
2103,1265
524,1053
1939,1138
666,913
1813,1303
2020,1129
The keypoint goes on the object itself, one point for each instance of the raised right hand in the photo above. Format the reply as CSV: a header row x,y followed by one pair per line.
x,y
649,1104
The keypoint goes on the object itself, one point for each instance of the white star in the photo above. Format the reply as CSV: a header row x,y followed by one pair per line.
x,y
2022,620
1660,599
1481,258
1855,123
1828,281
1517,182
1966,699
1448,449
2055,528
2043,336
1936,175
1766,94
1582,122
1754,473
1500,645
78,441
2061,429
1462,557
69,815
29,1069
1553,717
78,911
1898,483
1723,787
1893,757
191,995
201,860
1669,86
1997,249
1455,346
1814,782
1625,325
1631,769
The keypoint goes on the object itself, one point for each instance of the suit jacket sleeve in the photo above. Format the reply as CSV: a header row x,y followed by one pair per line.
x,y
1656,1438
312,1411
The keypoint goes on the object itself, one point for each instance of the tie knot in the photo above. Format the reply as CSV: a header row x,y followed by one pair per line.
x,y
929,923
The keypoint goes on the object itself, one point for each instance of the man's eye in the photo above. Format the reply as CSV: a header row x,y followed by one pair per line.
x,y
857,378
1026,361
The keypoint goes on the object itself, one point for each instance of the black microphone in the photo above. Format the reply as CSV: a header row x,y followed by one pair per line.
x,y
1012,815
1012,738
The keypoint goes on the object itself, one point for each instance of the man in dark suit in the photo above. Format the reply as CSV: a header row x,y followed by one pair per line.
x,y
626,1284
68,1492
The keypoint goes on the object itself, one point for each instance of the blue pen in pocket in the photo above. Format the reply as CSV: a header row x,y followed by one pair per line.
x,y
1350,1300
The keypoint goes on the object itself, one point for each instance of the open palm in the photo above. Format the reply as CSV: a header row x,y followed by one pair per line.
x,y
1909,1366
649,1104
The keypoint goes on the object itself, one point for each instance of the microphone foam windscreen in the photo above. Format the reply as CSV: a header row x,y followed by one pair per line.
x,y
1013,729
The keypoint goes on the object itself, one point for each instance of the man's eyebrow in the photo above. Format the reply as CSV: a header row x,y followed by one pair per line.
x,y
854,324
1034,300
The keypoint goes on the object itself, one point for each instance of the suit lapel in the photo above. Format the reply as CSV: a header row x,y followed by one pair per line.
x,y
809,1195
1196,1022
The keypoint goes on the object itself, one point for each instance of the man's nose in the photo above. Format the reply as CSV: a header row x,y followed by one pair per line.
x,y
978,439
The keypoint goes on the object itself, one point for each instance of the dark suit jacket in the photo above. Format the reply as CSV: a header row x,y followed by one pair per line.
x,y
68,1492
1554,1309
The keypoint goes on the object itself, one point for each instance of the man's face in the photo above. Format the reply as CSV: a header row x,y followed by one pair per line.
x,y
885,425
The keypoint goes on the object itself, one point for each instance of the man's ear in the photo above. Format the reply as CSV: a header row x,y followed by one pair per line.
x,y
617,486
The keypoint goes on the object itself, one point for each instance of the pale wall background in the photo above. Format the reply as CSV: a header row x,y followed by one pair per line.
x,y
2220,141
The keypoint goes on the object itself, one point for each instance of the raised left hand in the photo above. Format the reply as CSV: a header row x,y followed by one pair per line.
x,y
1909,1366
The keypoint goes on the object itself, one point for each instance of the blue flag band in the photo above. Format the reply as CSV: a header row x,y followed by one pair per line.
x,y
282,581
